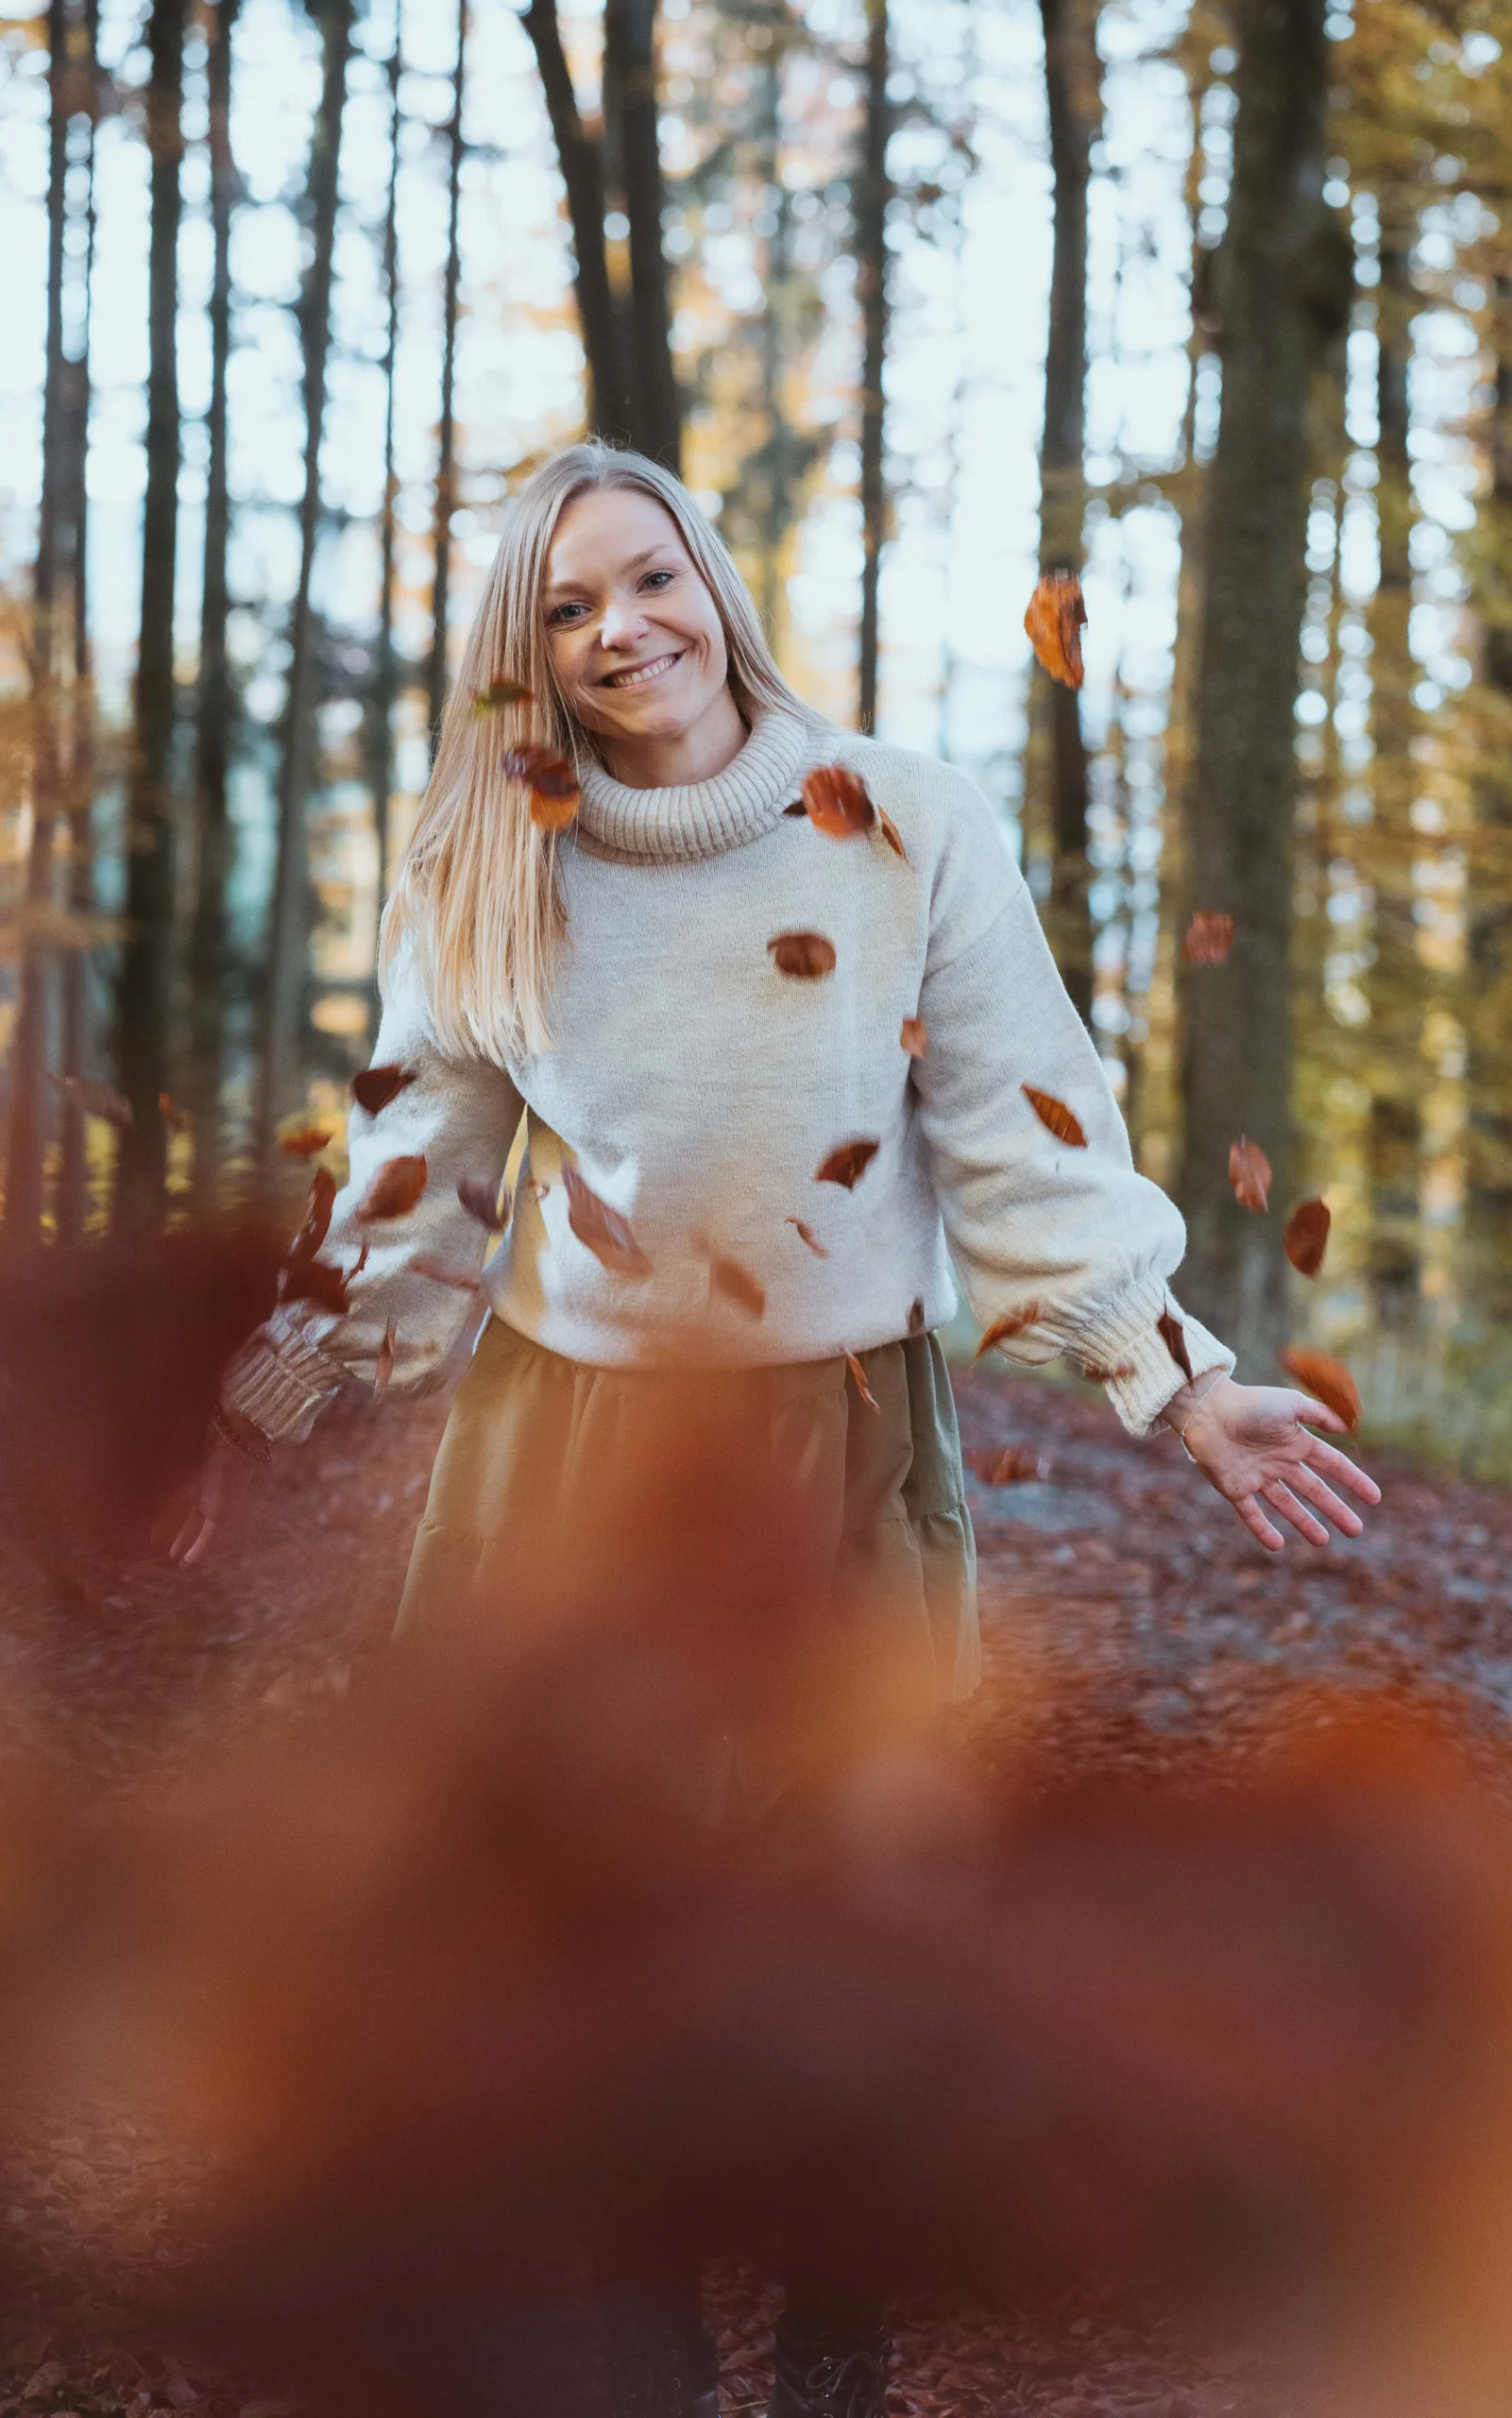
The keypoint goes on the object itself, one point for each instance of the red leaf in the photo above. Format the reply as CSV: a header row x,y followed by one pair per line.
x,y
305,1142
1318,1374
316,1280
891,834
378,1086
1004,1329
847,1164
1014,1465
606,1234
1209,939
1249,1174
317,1209
804,1235
836,802
1173,1334
551,780
1054,1113
804,955
1307,1232
916,1315
383,1364
94,1099
499,694
915,1037
460,1279
395,1188
1099,1376
859,1373
1055,621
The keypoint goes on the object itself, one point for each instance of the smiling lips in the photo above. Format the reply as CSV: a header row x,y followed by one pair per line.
x,y
639,675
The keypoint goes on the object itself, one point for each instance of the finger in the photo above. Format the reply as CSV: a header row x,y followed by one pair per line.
x,y
1323,1498
200,1546
1343,1471
1284,1503
184,1537
1317,1414
1257,1525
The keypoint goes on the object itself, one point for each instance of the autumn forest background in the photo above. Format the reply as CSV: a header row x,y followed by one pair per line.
x,y
1212,304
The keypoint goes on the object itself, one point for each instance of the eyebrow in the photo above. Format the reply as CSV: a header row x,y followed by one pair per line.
x,y
635,563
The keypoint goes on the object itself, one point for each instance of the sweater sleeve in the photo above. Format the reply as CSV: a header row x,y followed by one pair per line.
x,y
1072,1240
460,1115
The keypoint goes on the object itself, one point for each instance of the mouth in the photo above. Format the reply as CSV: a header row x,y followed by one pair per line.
x,y
641,675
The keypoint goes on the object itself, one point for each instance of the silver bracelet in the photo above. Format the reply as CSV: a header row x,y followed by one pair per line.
x,y
1217,1376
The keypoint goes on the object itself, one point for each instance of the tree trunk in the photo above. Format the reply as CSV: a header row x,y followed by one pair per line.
x,y
212,731
146,967
630,125
873,193
380,712
582,165
1487,981
1072,84
1283,289
287,970
445,468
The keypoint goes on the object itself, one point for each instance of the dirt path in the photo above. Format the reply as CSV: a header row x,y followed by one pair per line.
x,y
1116,1583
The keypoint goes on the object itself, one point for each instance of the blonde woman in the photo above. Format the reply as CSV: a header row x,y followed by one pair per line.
x,y
741,1042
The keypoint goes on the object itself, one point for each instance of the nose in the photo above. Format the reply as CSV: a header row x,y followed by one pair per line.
x,y
622,622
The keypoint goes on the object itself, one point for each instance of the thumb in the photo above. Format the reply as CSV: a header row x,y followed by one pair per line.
x,y
1317,1414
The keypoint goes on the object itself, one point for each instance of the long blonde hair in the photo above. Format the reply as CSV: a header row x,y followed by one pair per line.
x,y
476,895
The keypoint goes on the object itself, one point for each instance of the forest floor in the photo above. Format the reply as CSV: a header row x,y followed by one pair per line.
x,y
1147,1616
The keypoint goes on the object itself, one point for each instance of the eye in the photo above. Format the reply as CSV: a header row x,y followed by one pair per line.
x,y
657,578
561,614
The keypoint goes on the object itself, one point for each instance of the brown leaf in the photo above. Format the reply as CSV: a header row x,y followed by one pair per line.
x,y
374,1089
1307,1232
1208,939
861,1387
1097,1376
1249,1174
1173,1334
481,1201
1054,1113
1055,621
737,1284
177,1120
805,1235
316,1222
804,955
847,1164
891,834
358,1265
1003,1329
551,780
395,1188
383,1364
94,1099
1319,1374
304,1142
915,1037
916,1315
460,1280
499,694
606,1234
836,802
316,1280
1013,1465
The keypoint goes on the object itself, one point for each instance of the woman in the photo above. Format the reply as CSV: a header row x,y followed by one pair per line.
x,y
767,1074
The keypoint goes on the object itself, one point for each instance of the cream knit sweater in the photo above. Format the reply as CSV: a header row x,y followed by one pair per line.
x,y
697,1089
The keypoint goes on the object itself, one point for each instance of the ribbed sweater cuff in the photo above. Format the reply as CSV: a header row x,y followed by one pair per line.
x,y
1127,1343
281,1384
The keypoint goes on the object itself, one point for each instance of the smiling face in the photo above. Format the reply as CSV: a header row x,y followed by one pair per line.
x,y
636,643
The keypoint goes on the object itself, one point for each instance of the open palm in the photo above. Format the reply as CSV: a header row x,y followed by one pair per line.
x,y
1252,1444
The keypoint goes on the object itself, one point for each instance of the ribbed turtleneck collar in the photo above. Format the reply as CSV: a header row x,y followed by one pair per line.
x,y
706,817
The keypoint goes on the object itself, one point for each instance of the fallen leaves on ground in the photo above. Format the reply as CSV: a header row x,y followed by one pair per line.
x,y
482,1201
847,1164
914,1036
1053,1113
1208,939
606,1234
551,780
395,1188
1013,1465
1307,1230
1249,1174
838,802
806,1234
859,1375
1173,1334
1056,617
1004,1329
1319,1374
374,1089
93,1100
806,955
499,694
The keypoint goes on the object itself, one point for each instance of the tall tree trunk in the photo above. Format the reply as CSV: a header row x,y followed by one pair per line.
x,y
380,708
146,967
582,164
630,126
1072,85
873,192
287,970
1283,287
212,728
446,467
1487,982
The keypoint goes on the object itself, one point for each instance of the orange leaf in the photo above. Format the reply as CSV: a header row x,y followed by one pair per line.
x,y
1054,1113
915,1037
393,1189
1306,1238
383,1364
460,1279
606,1234
804,955
1004,1329
805,1235
1207,939
304,1142
1055,621
499,694
1014,1465
1249,1174
861,1387
94,1099
316,1224
551,780
481,1201
847,1165
316,1280
916,1315
1173,1334
1099,1376
891,834
378,1086
1318,1374
836,802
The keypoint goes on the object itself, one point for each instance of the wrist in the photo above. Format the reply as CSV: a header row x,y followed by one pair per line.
x,y
233,1427
1183,1406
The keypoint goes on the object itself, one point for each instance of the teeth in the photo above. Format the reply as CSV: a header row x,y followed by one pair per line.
x,y
643,672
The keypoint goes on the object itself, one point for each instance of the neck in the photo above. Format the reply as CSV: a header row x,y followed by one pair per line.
x,y
678,760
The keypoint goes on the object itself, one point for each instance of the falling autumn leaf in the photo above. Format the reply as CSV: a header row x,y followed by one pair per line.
x,y
916,1315
1249,1174
891,834
316,1222
1319,1374
807,956
499,694
304,1141
805,1234
177,1120
551,780
481,1201
1056,617
1173,1334
1054,1113
316,1280
1207,939
378,1086
1004,1329
737,1284
837,803
915,1037
606,1234
94,1099
359,1264
861,1387
395,1189
460,1280
384,1364
847,1165
1013,1465
1097,1376
1306,1238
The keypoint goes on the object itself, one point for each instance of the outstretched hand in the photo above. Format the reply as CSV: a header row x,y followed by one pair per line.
x,y
1252,1444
